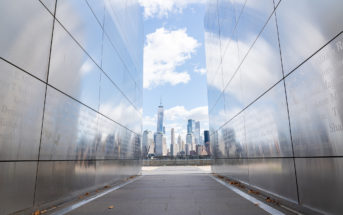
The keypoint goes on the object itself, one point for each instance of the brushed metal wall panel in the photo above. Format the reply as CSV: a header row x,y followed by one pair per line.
x,y
320,184
261,68
230,56
233,135
17,184
58,181
72,71
233,94
250,24
316,103
237,169
117,107
218,114
62,180
275,176
305,26
227,19
127,147
98,8
267,125
50,4
112,101
84,26
113,65
26,28
109,139
116,36
21,112
69,129
109,171
127,38
213,91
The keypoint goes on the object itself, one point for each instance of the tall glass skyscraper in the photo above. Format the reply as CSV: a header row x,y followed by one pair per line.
x,y
197,137
160,119
70,99
275,96
190,126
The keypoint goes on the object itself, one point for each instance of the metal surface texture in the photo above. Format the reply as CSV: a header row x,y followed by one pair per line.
x,y
64,180
70,99
21,112
69,60
237,169
275,98
17,186
316,103
266,125
274,175
304,27
69,129
21,32
320,183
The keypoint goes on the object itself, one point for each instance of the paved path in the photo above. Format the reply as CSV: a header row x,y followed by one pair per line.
x,y
172,190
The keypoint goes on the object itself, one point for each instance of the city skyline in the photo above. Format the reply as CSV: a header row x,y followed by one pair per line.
x,y
157,143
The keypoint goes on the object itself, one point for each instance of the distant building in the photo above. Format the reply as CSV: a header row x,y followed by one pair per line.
x,y
181,144
207,141
193,135
194,147
159,144
206,136
164,146
172,136
188,149
201,150
197,133
174,147
151,148
190,144
189,139
160,114
183,147
147,143
190,126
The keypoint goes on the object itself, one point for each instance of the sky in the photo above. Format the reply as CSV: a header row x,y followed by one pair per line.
x,y
174,64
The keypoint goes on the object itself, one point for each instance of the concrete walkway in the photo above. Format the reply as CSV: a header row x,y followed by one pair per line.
x,y
172,190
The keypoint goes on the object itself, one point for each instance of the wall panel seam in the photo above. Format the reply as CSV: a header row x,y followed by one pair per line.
x,y
44,105
287,106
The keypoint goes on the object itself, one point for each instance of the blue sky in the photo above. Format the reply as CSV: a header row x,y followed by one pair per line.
x,y
174,64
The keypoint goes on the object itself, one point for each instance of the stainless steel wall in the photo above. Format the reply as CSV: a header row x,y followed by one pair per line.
x,y
70,98
275,92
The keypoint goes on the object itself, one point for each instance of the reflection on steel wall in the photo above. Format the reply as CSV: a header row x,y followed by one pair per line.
x,y
70,98
275,92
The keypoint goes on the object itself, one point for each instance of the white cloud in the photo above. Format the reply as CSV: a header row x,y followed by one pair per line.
x,y
164,50
161,8
149,122
202,71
